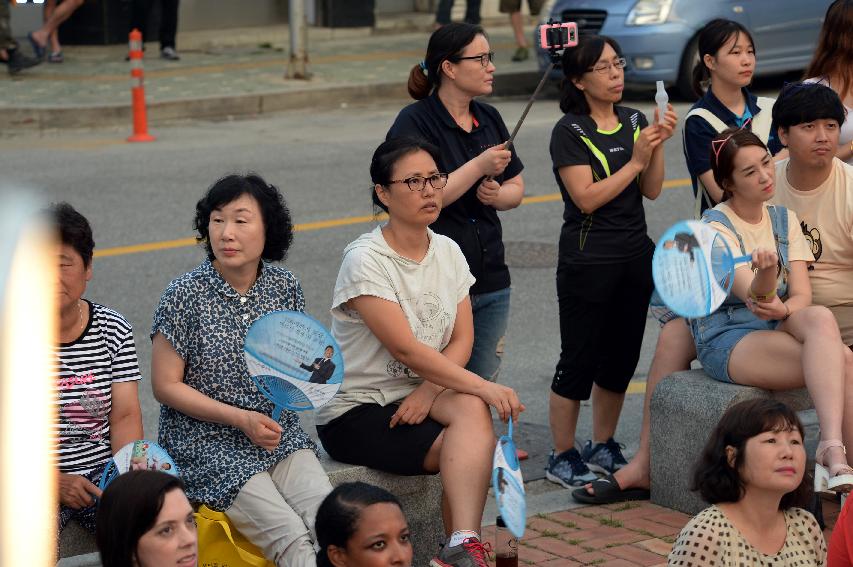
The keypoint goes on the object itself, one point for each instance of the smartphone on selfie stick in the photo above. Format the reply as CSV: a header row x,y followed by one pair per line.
x,y
553,37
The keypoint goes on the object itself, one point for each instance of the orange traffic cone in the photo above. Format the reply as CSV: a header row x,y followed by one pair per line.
x,y
137,90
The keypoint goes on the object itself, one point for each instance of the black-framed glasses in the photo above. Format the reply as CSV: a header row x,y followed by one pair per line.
x,y
417,183
619,63
485,58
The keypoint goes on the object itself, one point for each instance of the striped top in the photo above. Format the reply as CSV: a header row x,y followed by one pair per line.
x,y
85,371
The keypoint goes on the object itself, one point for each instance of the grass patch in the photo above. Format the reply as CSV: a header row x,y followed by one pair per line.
x,y
610,522
549,533
574,541
596,562
626,506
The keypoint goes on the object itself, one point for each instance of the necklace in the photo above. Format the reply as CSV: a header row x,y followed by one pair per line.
x,y
80,312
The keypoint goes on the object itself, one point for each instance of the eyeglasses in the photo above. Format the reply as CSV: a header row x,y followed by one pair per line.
x,y
485,58
620,63
437,181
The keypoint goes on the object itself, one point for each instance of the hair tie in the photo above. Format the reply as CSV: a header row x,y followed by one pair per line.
x,y
423,66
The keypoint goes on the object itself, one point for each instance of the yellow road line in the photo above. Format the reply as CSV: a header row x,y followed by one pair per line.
x,y
636,388
319,225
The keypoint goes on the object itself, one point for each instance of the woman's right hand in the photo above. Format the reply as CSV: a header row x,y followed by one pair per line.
x,y
647,141
494,160
503,399
763,259
261,430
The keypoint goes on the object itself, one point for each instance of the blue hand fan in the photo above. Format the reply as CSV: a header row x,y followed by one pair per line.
x,y
693,268
293,360
508,484
138,455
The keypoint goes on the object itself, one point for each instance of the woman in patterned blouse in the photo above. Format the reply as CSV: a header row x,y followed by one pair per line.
x,y
752,473
214,422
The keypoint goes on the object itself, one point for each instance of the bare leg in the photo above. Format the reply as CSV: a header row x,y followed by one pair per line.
x,y
516,20
809,352
49,7
563,416
62,12
674,352
606,408
464,451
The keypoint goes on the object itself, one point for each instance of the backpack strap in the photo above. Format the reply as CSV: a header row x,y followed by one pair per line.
x,y
713,215
763,121
719,126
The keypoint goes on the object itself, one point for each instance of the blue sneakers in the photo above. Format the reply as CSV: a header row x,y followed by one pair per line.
x,y
604,458
568,469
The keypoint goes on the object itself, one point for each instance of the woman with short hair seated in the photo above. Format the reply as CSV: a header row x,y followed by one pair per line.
x,y
145,520
216,425
96,376
402,316
751,471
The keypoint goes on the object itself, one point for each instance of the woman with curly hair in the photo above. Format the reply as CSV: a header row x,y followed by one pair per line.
x,y
233,457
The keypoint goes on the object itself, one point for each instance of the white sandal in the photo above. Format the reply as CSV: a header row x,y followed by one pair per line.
x,y
835,478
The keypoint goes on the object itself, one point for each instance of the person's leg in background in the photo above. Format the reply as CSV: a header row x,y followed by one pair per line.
x,y
10,53
168,29
40,38
139,10
472,12
442,14
491,316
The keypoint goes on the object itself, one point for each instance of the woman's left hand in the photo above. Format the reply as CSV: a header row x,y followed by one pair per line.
x,y
667,127
488,191
415,406
773,310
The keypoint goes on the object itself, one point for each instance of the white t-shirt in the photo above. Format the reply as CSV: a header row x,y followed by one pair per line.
x,y
86,370
428,292
826,213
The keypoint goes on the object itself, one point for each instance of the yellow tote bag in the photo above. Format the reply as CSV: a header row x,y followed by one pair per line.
x,y
221,545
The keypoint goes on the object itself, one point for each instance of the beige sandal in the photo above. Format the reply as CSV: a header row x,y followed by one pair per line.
x,y
835,478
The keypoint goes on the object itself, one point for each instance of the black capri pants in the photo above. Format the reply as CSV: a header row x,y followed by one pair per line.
x,y
603,310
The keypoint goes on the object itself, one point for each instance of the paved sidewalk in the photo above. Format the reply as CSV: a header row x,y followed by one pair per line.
x,y
236,72
614,535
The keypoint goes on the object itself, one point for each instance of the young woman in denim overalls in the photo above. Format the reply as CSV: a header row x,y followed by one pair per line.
x,y
767,334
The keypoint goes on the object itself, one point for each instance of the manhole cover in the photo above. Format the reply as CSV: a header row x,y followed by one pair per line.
x,y
527,254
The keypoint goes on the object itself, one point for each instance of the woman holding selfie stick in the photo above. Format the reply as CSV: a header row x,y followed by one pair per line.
x,y
484,176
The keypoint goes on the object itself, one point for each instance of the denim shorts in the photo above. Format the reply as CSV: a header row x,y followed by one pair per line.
x,y
717,334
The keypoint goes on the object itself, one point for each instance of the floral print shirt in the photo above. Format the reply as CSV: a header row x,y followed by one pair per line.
x,y
206,322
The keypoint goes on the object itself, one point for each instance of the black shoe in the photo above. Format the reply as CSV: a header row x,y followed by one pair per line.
x,y
17,61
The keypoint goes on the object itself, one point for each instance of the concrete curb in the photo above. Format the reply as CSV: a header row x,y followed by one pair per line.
x,y
40,118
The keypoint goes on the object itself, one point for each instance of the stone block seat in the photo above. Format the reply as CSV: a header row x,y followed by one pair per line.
x,y
685,408
419,495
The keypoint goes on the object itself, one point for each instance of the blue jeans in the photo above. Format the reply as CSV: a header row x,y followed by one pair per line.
x,y
472,11
491,315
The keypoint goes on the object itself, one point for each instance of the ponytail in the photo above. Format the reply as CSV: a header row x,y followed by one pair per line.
x,y
419,85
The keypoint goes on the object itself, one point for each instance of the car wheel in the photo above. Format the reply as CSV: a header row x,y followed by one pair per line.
x,y
684,83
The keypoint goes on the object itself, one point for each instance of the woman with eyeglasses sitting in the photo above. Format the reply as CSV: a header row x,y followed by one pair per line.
x,y
402,316
606,158
484,175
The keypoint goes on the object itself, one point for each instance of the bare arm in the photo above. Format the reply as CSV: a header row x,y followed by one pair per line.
x,y
501,197
714,190
490,163
167,381
386,321
125,415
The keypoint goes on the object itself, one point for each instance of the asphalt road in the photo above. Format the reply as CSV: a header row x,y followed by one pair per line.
x,y
146,193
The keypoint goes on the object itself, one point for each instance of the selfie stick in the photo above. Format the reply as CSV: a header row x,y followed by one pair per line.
x,y
552,37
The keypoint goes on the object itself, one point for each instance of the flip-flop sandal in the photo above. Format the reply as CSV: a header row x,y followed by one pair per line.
x,y
37,49
55,57
606,491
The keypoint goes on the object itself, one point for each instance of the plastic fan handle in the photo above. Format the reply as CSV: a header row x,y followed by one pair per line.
x,y
509,431
741,259
661,98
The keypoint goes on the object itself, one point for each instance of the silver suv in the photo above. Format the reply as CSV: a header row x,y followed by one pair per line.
x,y
658,37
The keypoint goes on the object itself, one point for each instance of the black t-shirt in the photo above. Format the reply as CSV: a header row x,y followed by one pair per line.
x,y
616,232
473,225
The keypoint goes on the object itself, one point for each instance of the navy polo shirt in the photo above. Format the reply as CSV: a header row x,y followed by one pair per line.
x,y
471,224
698,134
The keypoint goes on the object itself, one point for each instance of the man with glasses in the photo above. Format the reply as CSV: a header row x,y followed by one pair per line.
x,y
818,186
